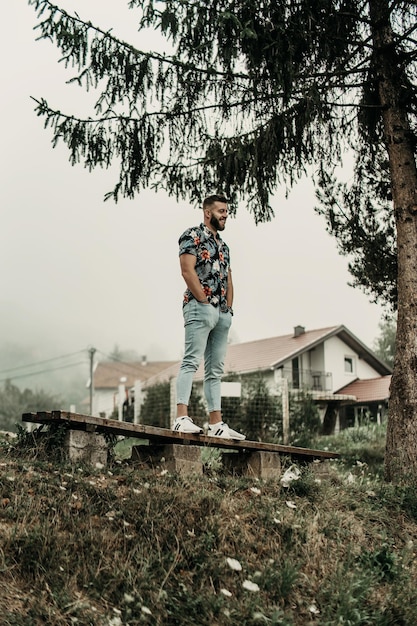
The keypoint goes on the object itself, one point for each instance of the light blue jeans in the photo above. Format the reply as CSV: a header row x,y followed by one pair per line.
x,y
206,331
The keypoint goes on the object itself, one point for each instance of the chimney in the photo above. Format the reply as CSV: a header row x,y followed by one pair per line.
x,y
144,360
299,330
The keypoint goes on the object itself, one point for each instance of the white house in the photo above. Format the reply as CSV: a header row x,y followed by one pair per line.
x,y
325,361
110,376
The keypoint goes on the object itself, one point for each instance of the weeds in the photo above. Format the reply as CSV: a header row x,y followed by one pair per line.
x,y
124,546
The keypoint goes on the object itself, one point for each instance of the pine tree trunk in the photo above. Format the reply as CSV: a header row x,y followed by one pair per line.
x,y
401,445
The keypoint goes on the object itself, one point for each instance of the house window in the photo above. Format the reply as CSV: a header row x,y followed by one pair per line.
x,y
295,373
349,365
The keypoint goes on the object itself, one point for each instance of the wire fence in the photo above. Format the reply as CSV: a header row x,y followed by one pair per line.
x,y
249,405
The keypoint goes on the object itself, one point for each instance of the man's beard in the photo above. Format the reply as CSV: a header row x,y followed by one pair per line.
x,y
216,224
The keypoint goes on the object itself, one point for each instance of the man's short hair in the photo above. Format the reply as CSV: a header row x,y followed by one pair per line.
x,y
210,200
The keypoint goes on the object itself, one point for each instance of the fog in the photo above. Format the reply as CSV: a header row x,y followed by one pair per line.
x,y
78,272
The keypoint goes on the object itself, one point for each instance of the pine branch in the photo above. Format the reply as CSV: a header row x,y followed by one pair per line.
x,y
119,43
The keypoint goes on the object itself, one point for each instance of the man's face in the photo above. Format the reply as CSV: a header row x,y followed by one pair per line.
x,y
219,214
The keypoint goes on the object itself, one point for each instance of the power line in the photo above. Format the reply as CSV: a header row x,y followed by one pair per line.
x,y
57,358
51,369
10,375
116,359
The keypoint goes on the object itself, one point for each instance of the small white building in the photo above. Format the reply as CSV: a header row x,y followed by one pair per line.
x,y
110,376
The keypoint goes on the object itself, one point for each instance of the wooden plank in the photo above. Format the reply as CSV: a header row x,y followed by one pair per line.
x,y
164,435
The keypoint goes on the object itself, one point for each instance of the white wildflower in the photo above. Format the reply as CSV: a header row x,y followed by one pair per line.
x,y
99,466
145,610
313,609
350,478
164,472
291,474
234,564
226,593
250,586
255,490
128,598
258,617
290,504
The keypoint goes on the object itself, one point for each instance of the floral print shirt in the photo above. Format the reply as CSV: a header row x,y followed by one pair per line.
x,y
212,264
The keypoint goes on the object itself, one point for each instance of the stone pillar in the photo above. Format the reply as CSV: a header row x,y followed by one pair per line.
x,y
181,458
85,447
266,465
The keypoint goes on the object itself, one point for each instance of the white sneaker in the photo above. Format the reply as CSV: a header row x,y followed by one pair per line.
x,y
186,425
224,431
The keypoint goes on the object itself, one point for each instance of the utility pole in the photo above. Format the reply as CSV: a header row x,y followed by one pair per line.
x,y
92,352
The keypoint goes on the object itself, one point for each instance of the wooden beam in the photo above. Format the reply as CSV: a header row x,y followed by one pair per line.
x,y
164,435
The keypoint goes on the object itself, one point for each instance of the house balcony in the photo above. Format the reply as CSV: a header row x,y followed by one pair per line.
x,y
309,380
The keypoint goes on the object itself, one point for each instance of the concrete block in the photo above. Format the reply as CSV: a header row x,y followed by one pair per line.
x,y
85,447
266,465
183,459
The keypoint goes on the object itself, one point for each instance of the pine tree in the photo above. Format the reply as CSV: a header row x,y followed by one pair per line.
x,y
384,346
254,94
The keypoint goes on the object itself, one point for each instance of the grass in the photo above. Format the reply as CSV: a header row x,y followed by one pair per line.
x,y
125,545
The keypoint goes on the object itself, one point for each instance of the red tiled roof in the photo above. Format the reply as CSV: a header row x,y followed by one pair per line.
x,y
107,374
371,390
268,353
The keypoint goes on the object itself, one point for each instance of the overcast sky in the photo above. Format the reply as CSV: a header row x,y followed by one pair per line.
x,y
78,272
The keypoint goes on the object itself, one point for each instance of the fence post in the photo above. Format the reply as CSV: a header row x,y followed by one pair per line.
x,y
138,401
172,400
285,411
121,398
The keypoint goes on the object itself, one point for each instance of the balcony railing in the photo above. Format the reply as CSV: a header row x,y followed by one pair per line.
x,y
311,380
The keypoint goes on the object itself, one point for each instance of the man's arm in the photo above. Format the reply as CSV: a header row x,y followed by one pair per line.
x,y
229,295
187,262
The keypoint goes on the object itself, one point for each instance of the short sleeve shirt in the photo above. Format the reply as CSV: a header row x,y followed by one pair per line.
x,y
212,263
